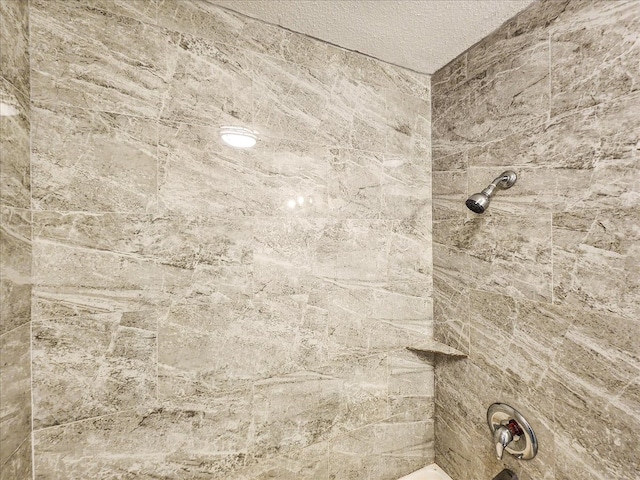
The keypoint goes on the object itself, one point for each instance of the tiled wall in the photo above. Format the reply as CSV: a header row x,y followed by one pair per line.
x,y
15,245
543,290
187,323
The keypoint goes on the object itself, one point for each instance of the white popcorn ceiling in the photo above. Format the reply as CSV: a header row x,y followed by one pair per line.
x,y
422,35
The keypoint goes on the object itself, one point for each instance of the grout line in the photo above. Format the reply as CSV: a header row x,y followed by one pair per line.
x,y
88,419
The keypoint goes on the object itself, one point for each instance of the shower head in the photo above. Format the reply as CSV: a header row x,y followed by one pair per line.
x,y
478,202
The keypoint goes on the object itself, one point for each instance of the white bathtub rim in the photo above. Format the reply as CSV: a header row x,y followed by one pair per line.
x,y
430,472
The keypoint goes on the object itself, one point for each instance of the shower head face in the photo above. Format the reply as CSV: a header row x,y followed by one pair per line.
x,y
478,202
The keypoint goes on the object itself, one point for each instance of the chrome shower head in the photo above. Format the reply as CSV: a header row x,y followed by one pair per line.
x,y
478,202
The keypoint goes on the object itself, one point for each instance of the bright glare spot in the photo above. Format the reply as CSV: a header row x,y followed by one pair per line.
x,y
300,200
238,137
7,110
291,204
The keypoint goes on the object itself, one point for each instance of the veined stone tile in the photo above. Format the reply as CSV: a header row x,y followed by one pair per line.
x,y
447,79
406,189
410,374
511,254
370,127
202,176
284,253
583,160
364,389
381,451
371,301
201,19
354,183
71,281
159,442
237,342
15,167
493,105
93,161
15,397
20,464
595,261
15,277
181,241
210,83
96,59
450,185
293,411
14,45
410,265
595,382
402,114
90,366
353,250
310,463
450,297
588,68
289,100
362,68
410,408
142,10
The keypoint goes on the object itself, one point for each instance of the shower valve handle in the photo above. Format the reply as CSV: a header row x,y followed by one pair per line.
x,y
505,434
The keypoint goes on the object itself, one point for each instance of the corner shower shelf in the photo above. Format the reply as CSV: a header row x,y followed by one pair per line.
x,y
437,348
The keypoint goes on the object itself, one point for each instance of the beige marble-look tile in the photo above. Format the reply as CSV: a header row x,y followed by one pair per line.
x,y
410,263
463,442
233,343
97,59
596,389
210,83
149,443
15,396
410,373
362,68
511,254
402,114
354,183
589,67
209,258
353,250
362,320
293,411
71,280
289,100
93,161
20,464
493,104
447,79
201,19
15,277
284,253
583,160
595,261
363,390
201,175
451,297
15,167
406,191
370,127
14,45
142,10
309,463
85,367
381,451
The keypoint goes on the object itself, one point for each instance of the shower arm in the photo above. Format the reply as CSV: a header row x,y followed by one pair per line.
x,y
504,181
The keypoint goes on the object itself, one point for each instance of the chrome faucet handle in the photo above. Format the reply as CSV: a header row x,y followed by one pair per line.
x,y
502,437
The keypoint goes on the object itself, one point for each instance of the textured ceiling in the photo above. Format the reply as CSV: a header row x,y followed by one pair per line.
x,y
422,35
